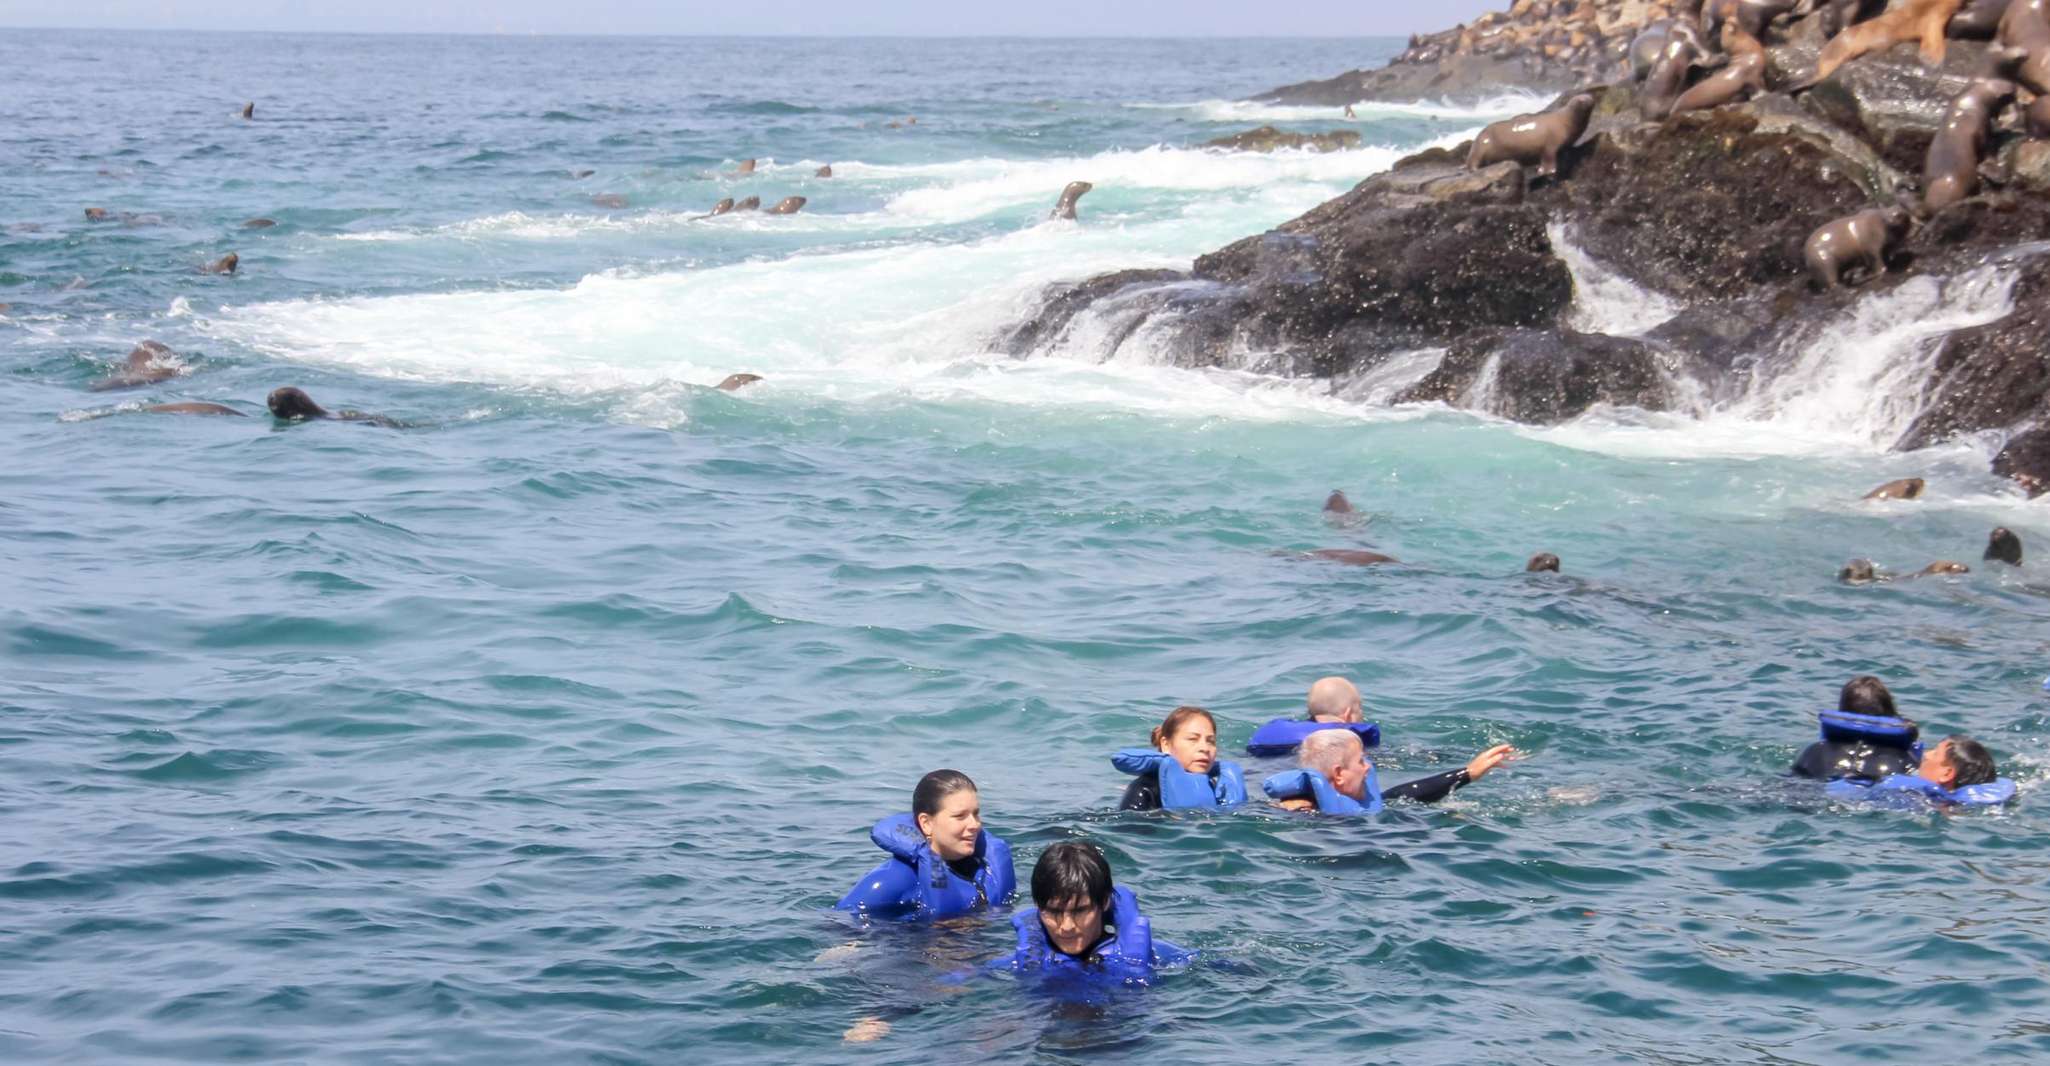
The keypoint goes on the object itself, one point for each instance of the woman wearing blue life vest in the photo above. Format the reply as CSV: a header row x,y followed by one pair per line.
x,y
1181,769
1864,738
941,861
1083,924
1958,771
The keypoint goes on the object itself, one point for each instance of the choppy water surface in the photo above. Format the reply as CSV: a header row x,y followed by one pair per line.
x,y
547,733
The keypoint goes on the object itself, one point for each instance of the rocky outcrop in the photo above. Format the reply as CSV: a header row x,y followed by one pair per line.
x,y
1269,139
1544,376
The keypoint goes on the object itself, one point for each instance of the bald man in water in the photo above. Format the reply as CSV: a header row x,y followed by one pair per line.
x,y
1334,699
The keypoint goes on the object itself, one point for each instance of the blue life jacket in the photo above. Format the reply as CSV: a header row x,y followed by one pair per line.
x,y
1903,786
1128,954
915,879
1223,786
1843,727
1283,736
1295,784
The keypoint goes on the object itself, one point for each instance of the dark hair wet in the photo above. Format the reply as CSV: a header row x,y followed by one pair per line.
x,y
1178,718
935,787
1866,694
1068,871
1971,760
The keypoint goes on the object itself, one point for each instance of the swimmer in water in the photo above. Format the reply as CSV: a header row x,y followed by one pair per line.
x,y
1341,759
941,862
1189,738
1082,922
1869,759
1334,699
1957,762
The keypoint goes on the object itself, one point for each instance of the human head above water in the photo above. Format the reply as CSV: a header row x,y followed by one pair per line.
x,y
1190,735
1334,699
1340,757
1866,694
949,813
1957,762
1071,886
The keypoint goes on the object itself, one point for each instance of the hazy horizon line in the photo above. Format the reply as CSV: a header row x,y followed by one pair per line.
x,y
728,36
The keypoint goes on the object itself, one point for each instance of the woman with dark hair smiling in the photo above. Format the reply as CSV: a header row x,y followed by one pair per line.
x,y
941,861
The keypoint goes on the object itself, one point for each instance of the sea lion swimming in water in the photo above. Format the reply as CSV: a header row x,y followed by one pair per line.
x,y
1951,170
97,214
1942,567
747,166
1065,206
1907,488
2026,26
291,404
226,264
752,203
1352,556
1862,572
147,364
1744,75
1535,138
1859,240
1858,572
259,223
1912,20
1542,563
1336,503
2002,546
737,382
192,409
823,172
249,111
719,208
790,205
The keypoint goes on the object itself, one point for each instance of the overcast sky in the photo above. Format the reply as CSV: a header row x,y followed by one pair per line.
x,y
1120,18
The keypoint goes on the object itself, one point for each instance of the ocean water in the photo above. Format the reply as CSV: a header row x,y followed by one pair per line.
x,y
549,731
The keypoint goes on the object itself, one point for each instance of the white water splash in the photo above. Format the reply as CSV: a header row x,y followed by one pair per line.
x,y
1603,300
1503,105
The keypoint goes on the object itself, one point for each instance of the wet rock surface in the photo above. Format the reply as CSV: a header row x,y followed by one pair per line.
x,y
1270,139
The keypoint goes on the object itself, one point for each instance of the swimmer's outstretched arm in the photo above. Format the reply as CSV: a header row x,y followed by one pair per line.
x,y
1438,786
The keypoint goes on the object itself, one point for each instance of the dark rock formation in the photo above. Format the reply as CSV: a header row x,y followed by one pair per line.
x,y
2026,460
1269,139
1544,376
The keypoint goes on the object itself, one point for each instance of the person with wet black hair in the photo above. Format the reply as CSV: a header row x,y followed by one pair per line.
x,y
941,861
2004,547
1866,738
1084,923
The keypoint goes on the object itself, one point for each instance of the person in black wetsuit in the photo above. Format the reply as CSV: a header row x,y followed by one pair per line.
x,y
1871,760
1189,737
1340,757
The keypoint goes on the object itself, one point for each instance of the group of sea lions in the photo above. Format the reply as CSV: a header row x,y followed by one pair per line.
x,y
1339,511
2002,545
1726,43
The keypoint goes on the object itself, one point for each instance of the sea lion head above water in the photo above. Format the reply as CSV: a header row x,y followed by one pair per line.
x,y
1542,562
823,172
292,404
1944,566
226,264
1858,572
249,110
790,205
2002,546
1336,503
722,206
1907,488
747,166
1065,206
148,363
736,382
752,203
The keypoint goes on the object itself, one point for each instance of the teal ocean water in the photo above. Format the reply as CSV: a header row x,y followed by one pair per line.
x,y
550,731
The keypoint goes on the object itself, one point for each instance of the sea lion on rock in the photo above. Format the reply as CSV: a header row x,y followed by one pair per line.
x,y
1667,77
736,382
192,409
1352,556
1840,15
1951,170
147,364
293,405
2026,26
2002,546
1978,21
823,172
1536,138
789,205
259,223
1859,240
1911,20
1065,206
1907,488
1542,563
226,264
1744,75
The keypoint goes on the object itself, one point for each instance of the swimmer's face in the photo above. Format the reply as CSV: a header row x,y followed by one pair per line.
x,y
1936,765
1194,745
1073,925
952,830
1349,777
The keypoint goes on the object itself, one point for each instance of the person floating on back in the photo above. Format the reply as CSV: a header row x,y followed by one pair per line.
x,y
1181,769
1082,924
1336,777
1864,738
941,861
1957,772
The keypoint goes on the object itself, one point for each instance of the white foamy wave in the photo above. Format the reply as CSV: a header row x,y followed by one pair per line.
x,y
1503,105
1603,300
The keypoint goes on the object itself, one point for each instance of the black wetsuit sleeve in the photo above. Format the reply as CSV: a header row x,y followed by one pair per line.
x,y
1427,789
1143,794
1816,761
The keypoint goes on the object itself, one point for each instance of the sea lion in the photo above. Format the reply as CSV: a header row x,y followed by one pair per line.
x,y
293,405
1907,488
1065,206
1352,556
1648,46
1336,503
736,382
720,208
147,364
1951,170
747,166
1536,138
1858,572
823,172
1542,563
1668,75
789,205
1744,75
192,409
2026,26
1840,15
249,111
1944,566
259,223
97,214
226,264
609,199
1911,20
1978,21
752,203
579,175
1859,240
2002,546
